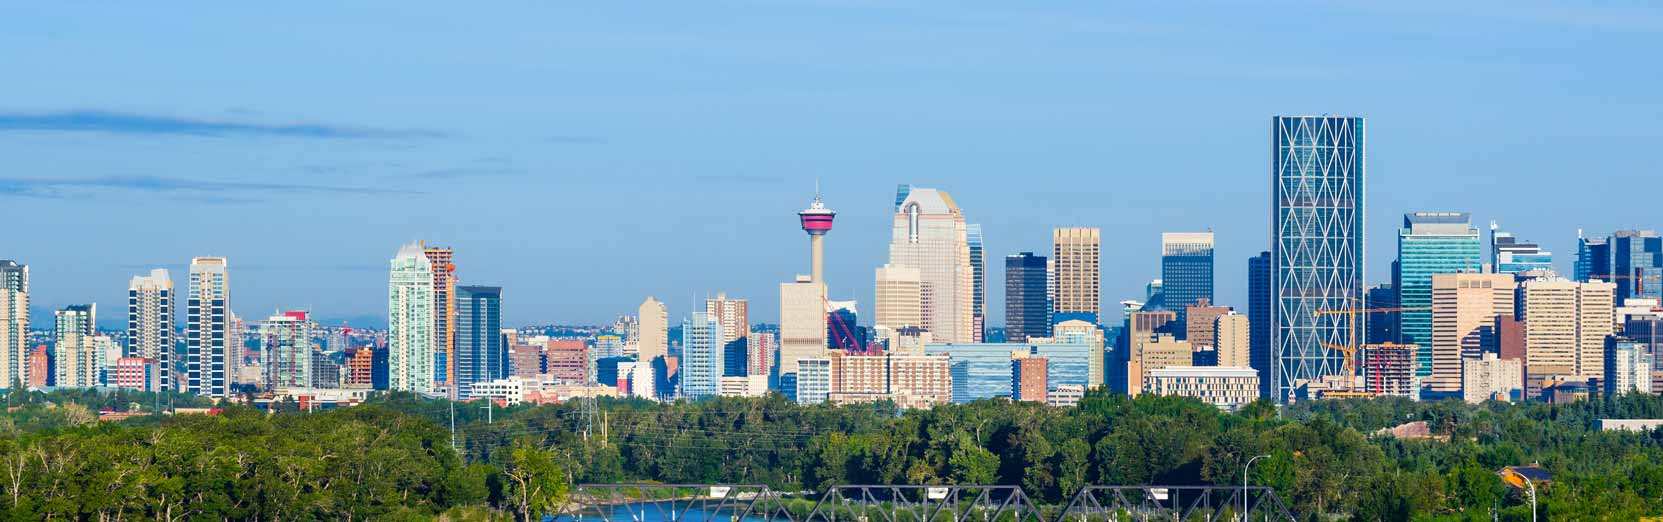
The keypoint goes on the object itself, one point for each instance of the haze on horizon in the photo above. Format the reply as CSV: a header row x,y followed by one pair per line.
x,y
585,156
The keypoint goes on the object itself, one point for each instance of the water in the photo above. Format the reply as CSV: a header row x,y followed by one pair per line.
x,y
668,511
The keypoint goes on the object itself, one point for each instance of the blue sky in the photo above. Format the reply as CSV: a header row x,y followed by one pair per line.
x,y
584,155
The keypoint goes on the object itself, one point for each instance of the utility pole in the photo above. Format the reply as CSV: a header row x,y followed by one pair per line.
x,y
453,426
487,408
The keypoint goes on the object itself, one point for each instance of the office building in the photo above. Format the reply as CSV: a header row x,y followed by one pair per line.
x,y
1317,223
1076,274
1065,396
1028,378
1160,351
811,383
762,349
212,348
442,260
1228,388
654,330
701,356
1198,320
1464,311
480,354
1154,297
1593,258
1382,329
743,386
843,330
1636,264
1389,369
1026,306
410,321
565,360
74,357
136,373
734,317
1077,332
1142,327
1565,326
1627,367
1186,269
929,234
1490,377
1511,255
1231,332
898,298
802,324
150,321
978,282
14,324
286,349
1429,243
528,360
1258,318
326,371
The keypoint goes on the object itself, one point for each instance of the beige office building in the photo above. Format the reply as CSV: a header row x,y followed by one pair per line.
x,y
1490,377
930,235
802,322
910,381
653,337
1076,273
732,314
898,298
1565,325
1464,311
1231,338
1162,351
1199,319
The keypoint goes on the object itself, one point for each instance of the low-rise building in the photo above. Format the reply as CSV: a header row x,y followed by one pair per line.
x,y
1490,377
1226,387
1065,396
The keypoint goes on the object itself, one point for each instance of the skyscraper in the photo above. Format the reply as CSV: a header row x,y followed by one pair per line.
x,y
1383,329
1318,170
1186,269
74,354
734,316
653,340
1636,264
150,322
480,353
898,298
286,346
701,356
411,321
1464,311
210,347
1511,255
14,324
1430,243
1231,333
978,284
1076,257
1565,326
444,314
929,234
1258,318
1026,308
1593,258
803,302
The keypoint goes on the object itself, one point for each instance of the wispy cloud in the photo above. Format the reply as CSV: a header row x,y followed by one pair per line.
x,y
189,189
148,124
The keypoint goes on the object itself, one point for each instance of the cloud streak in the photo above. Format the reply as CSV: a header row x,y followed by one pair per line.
x,y
201,190
156,125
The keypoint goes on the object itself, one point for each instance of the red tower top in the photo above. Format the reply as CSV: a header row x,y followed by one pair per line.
x,y
817,219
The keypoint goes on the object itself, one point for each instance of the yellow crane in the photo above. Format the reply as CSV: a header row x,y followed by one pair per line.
x,y
1350,347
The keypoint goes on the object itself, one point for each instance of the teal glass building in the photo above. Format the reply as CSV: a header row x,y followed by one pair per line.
x,y
1429,243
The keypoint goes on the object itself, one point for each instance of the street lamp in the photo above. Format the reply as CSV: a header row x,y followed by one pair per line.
x,y
1244,485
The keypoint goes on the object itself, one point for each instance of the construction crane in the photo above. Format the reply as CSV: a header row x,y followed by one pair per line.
x,y
1350,347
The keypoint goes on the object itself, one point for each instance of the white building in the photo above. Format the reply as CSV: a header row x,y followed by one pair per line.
x,y
1627,367
74,355
813,383
1492,378
211,344
410,321
744,386
1226,387
1065,396
150,308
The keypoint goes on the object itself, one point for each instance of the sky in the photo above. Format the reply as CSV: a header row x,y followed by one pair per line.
x,y
584,155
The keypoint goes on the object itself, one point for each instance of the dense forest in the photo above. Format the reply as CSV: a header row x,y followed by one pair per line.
x,y
393,457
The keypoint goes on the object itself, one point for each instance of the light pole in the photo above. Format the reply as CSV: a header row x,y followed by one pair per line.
x,y
1532,485
1244,485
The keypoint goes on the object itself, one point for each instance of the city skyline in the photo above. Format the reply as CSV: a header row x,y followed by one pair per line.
x,y
542,144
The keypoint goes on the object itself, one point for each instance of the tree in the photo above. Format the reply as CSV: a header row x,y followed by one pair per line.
x,y
536,484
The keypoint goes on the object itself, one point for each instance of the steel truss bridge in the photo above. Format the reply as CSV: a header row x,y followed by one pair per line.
x,y
943,503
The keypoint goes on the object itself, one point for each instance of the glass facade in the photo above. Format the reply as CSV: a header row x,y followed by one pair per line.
x,y
1636,264
978,281
1429,243
480,353
1511,255
701,357
1026,307
1258,318
1317,178
1593,257
983,370
1186,269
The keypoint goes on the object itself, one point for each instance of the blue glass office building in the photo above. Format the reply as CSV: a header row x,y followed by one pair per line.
x,y
1511,255
1317,177
1636,264
983,370
480,353
1026,308
1429,243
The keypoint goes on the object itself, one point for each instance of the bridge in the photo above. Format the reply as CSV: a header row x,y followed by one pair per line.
x,y
893,503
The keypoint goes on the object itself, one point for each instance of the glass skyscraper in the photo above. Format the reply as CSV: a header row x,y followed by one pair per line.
x,y
480,353
1636,264
701,356
1429,243
978,280
1258,318
1317,177
1026,307
1511,255
1186,269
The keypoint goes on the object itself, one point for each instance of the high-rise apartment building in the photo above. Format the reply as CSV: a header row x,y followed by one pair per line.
x,y
1511,255
929,234
1464,311
442,259
1627,367
1565,326
1259,299
1077,273
1636,264
1186,269
1028,378
14,324
701,356
761,350
1231,333
1026,307
74,355
978,281
481,354
1318,170
734,316
1429,243
411,321
211,346
150,322
1142,327
286,347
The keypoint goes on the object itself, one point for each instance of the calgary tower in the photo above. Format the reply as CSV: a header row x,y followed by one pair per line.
x,y
817,221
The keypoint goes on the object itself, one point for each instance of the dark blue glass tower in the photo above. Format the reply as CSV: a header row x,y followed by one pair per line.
x,y
480,353
1025,298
